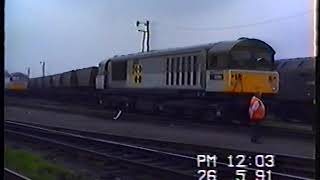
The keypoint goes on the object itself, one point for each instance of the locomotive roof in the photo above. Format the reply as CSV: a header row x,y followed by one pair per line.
x,y
219,47
19,74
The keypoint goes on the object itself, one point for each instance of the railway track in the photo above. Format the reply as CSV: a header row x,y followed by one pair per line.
x,y
102,113
166,160
92,102
12,175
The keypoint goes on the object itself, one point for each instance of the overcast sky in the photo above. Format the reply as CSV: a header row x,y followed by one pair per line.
x,y
72,34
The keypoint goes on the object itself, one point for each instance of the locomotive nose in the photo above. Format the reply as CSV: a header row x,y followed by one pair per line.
x,y
253,81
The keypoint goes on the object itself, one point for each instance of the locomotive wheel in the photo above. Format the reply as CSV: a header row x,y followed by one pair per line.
x,y
129,106
212,115
208,116
158,109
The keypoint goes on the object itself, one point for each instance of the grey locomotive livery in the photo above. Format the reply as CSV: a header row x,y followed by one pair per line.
x,y
208,67
206,79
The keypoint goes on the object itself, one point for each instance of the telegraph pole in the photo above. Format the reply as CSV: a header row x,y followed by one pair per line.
x,y
143,39
146,32
28,72
148,36
43,67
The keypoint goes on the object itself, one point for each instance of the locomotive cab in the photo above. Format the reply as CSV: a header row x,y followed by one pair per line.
x,y
242,67
17,82
102,76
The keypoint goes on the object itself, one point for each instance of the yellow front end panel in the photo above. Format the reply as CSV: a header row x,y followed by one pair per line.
x,y
17,87
246,81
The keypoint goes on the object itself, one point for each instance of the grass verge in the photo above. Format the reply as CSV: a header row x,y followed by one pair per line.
x,y
34,167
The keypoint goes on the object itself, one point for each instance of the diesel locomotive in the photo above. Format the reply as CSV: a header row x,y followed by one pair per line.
x,y
212,81
16,82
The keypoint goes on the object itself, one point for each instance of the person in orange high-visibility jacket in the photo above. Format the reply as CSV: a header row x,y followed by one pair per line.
x,y
257,114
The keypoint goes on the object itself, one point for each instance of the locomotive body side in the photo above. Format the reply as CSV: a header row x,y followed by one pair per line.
x,y
158,72
192,69
206,76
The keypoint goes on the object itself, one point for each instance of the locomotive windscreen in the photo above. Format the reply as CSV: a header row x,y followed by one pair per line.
x,y
251,59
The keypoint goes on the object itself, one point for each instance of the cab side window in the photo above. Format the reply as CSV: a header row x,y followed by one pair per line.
x,y
213,62
223,61
218,61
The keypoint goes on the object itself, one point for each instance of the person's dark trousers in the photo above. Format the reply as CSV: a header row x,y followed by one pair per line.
x,y
255,132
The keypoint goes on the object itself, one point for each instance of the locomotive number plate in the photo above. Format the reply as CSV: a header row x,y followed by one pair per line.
x,y
216,76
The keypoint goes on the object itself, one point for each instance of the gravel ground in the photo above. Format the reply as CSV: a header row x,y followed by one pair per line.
x,y
225,138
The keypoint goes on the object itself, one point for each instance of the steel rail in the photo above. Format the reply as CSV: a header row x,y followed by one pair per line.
x,y
12,175
102,113
140,148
